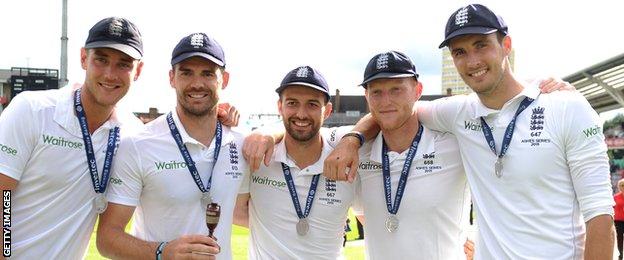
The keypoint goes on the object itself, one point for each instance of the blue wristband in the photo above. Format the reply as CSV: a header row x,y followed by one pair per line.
x,y
159,250
357,135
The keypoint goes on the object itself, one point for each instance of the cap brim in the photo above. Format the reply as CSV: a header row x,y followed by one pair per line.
x,y
204,55
387,75
467,30
128,50
319,88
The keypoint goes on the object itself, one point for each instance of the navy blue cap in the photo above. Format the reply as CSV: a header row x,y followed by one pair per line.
x,y
392,64
116,33
473,19
200,45
305,76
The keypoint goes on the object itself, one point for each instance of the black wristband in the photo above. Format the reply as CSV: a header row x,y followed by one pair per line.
x,y
159,250
357,135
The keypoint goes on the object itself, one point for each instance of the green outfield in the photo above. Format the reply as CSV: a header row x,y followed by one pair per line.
x,y
353,250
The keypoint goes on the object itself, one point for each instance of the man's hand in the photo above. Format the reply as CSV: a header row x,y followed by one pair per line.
x,y
227,114
469,249
555,84
191,247
258,147
344,156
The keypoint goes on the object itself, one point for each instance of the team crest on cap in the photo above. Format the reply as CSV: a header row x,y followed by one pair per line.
x,y
197,40
302,72
382,61
116,27
461,18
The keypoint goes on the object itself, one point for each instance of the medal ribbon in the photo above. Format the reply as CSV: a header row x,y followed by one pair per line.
x,y
293,192
393,209
508,132
190,164
113,135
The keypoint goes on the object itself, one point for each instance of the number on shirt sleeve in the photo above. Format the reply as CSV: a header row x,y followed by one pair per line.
x,y
334,134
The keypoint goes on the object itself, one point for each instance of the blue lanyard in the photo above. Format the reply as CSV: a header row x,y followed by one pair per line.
x,y
113,136
393,209
508,132
293,192
190,164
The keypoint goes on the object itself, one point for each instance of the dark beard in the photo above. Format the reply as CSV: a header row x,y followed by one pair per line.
x,y
300,137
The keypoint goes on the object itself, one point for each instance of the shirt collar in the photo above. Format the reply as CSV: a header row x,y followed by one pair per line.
x,y
65,115
281,156
226,133
479,110
425,146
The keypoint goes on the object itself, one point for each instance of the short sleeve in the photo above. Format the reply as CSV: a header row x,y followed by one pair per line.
x,y
440,114
19,130
334,134
126,181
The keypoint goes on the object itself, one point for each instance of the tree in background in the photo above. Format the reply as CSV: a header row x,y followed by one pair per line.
x,y
614,128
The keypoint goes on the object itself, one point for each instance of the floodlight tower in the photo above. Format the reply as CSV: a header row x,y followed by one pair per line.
x,y
63,79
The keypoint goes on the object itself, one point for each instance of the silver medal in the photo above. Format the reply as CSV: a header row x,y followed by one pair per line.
x,y
303,227
100,203
392,223
498,167
206,199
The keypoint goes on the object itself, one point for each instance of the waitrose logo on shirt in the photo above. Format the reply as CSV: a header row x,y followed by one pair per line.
x,y
60,141
594,130
170,165
8,150
268,182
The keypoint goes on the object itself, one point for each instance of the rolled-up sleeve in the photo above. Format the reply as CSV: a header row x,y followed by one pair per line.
x,y
586,154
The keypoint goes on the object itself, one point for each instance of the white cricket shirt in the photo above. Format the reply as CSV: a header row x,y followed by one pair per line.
x,y
151,174
435,204
41,147
555,175
272,216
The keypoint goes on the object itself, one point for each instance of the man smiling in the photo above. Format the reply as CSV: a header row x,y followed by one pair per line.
x,y
57,190
536,163
545,193
204,167
293,211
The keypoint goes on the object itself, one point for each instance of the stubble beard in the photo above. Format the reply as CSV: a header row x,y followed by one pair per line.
x,y
200,111
301,137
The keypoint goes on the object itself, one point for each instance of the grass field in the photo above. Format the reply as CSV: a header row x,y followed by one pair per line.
x,y
240,241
